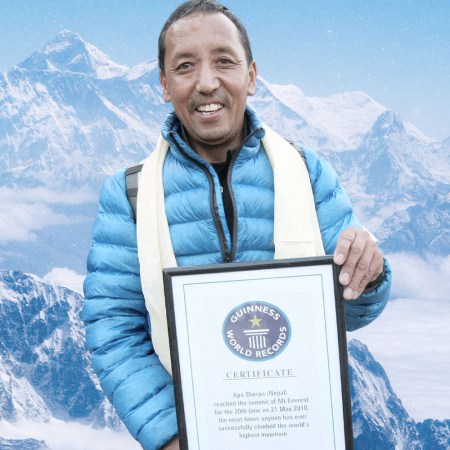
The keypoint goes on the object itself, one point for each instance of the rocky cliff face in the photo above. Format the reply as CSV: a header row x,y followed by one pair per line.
x,y
22,444
45,370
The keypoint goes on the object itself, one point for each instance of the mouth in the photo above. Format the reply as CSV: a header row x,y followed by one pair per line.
x,y
209,109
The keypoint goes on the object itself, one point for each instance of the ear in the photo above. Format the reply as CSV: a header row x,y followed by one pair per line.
x,y
163,81
252,76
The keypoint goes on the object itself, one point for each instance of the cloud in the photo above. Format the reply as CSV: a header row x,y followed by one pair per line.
x,y
411,339
420,277
20,220
62,276
23,212
50,196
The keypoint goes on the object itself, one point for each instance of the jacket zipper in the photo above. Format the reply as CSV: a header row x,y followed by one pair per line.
x,y
226,257
230,190
227,254
233,204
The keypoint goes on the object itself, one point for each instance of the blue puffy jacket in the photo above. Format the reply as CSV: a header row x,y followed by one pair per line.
x,y
117,326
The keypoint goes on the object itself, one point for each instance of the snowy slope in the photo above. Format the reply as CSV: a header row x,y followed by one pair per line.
x,y
342,118
379,419
68,52
400,186
70,114
22,444
45,370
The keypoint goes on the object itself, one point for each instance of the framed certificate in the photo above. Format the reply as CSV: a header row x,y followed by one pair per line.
x,y
259,355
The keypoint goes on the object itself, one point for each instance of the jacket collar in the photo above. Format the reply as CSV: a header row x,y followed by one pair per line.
x,y
173,132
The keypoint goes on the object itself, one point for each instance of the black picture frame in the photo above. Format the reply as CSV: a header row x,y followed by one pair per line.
x,y
186,277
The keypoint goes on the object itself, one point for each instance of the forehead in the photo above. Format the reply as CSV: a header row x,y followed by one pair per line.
x,y
202,32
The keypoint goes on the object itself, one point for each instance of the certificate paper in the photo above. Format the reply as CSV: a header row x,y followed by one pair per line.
x,y
259,356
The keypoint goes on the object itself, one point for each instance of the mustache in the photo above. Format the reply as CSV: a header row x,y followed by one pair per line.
x,y
200,99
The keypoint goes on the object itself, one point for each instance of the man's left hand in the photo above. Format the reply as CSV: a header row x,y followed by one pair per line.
x,y
361,261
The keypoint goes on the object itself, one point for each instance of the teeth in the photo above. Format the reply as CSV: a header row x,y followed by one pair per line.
x,y
210,108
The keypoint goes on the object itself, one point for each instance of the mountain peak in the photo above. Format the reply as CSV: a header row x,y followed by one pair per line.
x,y
68,52
388,121
65,34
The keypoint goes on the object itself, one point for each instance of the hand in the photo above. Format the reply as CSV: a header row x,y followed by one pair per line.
x,y
361,261
174,444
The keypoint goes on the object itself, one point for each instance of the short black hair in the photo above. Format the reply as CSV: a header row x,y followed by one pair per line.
x,y
205,7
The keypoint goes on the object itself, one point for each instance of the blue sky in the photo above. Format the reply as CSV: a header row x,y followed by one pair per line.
x,y
396,51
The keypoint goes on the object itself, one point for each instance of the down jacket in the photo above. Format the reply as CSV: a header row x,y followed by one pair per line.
x,y
117,325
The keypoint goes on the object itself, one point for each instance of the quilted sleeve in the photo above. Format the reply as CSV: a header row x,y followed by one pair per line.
x,y
117,326
335,214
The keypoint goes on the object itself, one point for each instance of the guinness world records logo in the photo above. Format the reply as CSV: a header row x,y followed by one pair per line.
x,y
256,331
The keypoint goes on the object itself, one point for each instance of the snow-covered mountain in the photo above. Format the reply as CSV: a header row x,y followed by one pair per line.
x,y
70,116
22,444
67,52
45,373
336,123
380,422
44,368
379,419
434,434
400,185
398,179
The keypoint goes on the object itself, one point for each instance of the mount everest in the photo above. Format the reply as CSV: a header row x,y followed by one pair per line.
x,y
70,116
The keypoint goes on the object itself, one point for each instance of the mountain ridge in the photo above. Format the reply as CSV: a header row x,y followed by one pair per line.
x,y
45,366
65,131
69,52
38,330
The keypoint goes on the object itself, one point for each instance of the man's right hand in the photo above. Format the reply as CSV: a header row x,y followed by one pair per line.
x,y
174,444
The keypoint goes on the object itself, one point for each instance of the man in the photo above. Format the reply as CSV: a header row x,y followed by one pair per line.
x,y
210,193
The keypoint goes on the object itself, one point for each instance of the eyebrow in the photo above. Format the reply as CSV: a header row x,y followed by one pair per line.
x,y
187,54
180,55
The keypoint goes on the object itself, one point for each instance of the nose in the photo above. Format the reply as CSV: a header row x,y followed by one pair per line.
x,y
207,81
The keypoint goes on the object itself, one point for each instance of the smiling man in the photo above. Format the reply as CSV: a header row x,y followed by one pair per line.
x,y
220,187
207,76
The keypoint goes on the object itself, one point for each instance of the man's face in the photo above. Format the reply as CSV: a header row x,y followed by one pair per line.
x,y
207,79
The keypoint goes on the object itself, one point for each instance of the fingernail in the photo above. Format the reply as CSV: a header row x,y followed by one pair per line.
x,y
348,292
339,259
344,278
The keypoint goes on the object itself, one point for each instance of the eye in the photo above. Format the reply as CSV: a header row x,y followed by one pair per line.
x,y
184,66
224,61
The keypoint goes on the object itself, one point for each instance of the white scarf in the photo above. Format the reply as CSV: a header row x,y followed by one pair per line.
x,y
296,228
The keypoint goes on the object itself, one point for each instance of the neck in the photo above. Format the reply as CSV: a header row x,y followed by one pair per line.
x,y
212,154
215,153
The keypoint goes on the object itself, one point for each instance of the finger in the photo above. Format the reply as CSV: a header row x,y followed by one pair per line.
x,y
362,274
375,270
343,245
358,258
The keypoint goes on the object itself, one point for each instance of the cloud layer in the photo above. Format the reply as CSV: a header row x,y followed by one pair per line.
x,y
62,276
23,212
411,339
419,277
